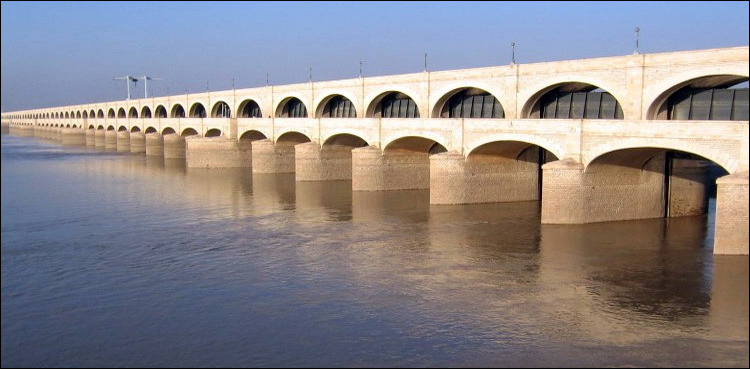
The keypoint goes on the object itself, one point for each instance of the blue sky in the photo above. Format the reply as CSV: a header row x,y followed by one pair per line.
x,y
67,53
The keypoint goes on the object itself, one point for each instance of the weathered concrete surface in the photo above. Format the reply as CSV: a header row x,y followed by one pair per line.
x,y
217,152
90,138
154,144
270,158
331,163
73,137
174,146
396,170
137,142
123,141
110,140
731,235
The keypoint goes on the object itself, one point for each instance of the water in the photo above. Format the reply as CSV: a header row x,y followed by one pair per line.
x,y
120,260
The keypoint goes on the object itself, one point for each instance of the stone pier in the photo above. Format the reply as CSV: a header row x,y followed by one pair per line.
x,y
90,137
174,146
73,137
123,141
154,144
217,152
731,235
270,158
331,163
137,142
396,170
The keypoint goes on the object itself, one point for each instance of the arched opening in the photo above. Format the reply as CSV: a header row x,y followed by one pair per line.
x,y
292,138
74,126
91,126
100,114
178,111
152,130
110,128
197,111
78,115
344,140
67,126
122,129
121,113
650,182
221,110
188,132
250,109
146,112
213,132
133,113
252,135
166,131
722,97
85,115
161,111
337,106
292,108
405,164
67,116
100,128
573,100
393,104
469,103
135,129
92,114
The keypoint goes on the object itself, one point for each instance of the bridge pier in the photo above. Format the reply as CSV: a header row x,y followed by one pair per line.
x,y
5,128
731,234
174,146
123,141
137,142
488,179
270,158
373,170
110,140
73,137
99,139
154,144
330,163
217,152
90,133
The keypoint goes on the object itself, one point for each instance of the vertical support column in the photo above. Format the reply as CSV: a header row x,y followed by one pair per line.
x,y
73,137
270,158
123,141
217,152
137,142
99,138
731,235
174,146
330,163
90,133
154,144
688,187
403,170
110,140
563,199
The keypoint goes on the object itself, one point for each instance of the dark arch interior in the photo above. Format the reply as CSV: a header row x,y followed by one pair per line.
x,y
252,136
294,108
161,112
339,107
709,99
121,113
197,111
133,113
188,132
472,103
344,140
250,109
222,110
168,131
178,111
146,112
577,101
292,138
213,132
396,105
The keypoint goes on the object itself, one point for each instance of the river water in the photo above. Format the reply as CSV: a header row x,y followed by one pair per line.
x,y
120,260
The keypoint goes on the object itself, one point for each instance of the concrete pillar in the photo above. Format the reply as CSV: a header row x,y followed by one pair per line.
x,y
270,158
154,144
57,134
73,137
455,180
123,141
217,152
688,188
398,170
137,142
174,146
90,133
5,128
331,163
110,140
731,234
99,138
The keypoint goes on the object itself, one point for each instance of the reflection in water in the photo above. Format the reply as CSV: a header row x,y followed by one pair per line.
x,y
131,260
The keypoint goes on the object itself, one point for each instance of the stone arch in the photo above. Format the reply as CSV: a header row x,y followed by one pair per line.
x,y
135,129
85,115
221,110
291,107
252,135
160,112
344,140
133,113
100,128
151,130
336,106
293,138
177,111
188,132
213,132
168,131
92,114
414,144
468,102
716,155
249,108
100,114
91,126
121,113
658,107
553,144
573,99
382,106
122,129
78,114
110,128
197,110
67,115
145,112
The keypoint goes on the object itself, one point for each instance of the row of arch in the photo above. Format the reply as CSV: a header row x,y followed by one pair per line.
x,y
706,98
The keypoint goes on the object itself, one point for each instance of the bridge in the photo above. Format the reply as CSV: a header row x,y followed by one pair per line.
x,y
605,139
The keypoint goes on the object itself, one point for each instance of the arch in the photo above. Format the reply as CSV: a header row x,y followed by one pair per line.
x,y
344,139
177,111
110,128
414,144
166,131
188,132
221,110
716,155
121,113
213,132
85,115
100,128
152,130
708,97
468,102
67,125
160,112
91,126
250,109
135,129
293,137
74,126
573,100
122,129
508,149
336,106
100,114
92,114
197,111
291,107
67,116
252,135
145,112
78,115
393,104
133,113
111,113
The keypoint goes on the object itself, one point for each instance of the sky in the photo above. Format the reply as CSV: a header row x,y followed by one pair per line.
x,y
66,53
